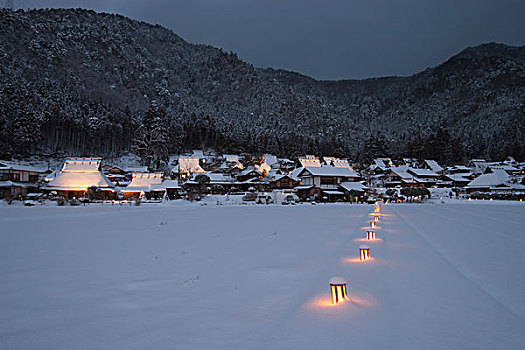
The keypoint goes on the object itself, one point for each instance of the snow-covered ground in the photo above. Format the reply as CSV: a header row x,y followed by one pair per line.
x,y
443,276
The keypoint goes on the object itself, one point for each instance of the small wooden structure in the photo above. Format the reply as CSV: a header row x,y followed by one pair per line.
x,y
338,289
364,252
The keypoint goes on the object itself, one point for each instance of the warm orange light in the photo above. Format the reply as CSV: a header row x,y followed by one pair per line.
x,y
376,218
372,224
370,235
364,252
338,289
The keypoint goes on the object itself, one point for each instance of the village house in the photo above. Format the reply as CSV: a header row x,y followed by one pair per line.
x,y
495,180
249,173
322,183
424,177
17,180
276,179
79,174
230,164
148,185
399,177
187,166
380,166
353,190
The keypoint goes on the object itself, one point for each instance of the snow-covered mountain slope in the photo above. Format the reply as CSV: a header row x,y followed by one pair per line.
x,y
74,81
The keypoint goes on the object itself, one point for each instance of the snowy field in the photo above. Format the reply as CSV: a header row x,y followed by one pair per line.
x,y
443,276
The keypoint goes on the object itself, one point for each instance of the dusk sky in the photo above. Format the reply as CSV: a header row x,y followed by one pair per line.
x,y
331,39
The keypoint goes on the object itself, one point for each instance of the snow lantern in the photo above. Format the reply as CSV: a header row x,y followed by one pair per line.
x,y
370,235
364,252
372,224
376,218
338,289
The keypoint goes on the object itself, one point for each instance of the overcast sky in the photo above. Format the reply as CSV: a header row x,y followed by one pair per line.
x,y
329,39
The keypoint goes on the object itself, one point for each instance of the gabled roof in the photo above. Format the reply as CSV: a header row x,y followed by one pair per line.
x,y
248,170
79,174
329,171
188,165
82,165
231,161
497,177
270,159
422,172
337,162
460,169
310,161
433,165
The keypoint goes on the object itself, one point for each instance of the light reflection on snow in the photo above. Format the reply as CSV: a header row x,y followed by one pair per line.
x,y
368,228
324,302
367,240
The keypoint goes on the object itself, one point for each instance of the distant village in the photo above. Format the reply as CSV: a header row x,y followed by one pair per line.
x,y
257,179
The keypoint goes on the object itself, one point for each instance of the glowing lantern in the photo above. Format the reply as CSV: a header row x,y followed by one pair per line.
x,y
338,289
372,224
370,235
376,218
364,252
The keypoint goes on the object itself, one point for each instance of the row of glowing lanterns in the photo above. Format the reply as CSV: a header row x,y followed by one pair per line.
x,y
338,287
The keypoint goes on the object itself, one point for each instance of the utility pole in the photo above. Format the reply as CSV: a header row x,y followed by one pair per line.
x,y
10,5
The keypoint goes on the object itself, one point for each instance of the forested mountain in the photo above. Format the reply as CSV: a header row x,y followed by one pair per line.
x,y
85,83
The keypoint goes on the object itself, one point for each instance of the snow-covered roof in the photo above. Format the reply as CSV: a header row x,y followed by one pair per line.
x,y
329,171
353,186
333,192
401,171
10,183
337,162
270,159
220,178
138,169
295,173
231,161
433,165
230,157
82,165
167,184
248,170
497,177
14,166
309,161
188,165
143,182
78,174
459,169
422,172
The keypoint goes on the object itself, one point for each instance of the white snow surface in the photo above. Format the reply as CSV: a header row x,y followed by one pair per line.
x,y
442,276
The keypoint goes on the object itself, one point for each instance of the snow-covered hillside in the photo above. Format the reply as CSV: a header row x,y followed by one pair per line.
x,y
443,276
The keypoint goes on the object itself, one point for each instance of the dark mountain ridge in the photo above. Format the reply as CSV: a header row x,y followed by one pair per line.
x,y
80,82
